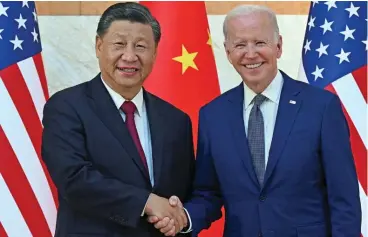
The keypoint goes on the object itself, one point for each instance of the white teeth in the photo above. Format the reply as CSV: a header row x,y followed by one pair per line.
x,y
127,69
252,66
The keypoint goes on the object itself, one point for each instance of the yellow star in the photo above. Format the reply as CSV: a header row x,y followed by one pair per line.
x,y
209,42
186,59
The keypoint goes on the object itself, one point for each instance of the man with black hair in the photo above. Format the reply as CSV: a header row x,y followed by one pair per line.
x,y
114,151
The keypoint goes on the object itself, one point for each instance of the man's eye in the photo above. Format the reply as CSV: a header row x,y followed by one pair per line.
x,y
239,46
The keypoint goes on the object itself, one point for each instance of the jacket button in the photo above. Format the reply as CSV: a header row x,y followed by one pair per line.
x,y
262,199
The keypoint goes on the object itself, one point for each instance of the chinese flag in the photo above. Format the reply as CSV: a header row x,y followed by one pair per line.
x,y
185,71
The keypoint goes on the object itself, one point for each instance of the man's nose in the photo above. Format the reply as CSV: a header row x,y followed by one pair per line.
x,y
251,51
129,54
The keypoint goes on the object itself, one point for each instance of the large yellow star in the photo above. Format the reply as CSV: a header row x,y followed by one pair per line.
x,y
186,59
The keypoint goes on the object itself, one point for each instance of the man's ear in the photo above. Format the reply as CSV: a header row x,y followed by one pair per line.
x,y
279,47
98,46
155,53
227,51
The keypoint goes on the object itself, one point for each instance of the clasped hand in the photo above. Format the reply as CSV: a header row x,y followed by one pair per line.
x,y
167,215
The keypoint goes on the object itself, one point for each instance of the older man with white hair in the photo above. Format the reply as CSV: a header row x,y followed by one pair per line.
x,y
273,151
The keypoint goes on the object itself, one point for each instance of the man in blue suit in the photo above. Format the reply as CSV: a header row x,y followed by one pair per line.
x,y
114,151
274,151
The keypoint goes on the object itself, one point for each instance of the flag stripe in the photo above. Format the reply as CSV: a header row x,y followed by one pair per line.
x,y
357,146
11,219
360,76
20,141
351,97
41,73
30,75
37,61
2,230
20,189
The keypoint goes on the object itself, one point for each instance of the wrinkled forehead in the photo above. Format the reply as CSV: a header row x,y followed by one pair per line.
x,y
250,21
255,25
124,29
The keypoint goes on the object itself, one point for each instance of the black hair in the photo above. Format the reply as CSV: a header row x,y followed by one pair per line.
x,y
130,11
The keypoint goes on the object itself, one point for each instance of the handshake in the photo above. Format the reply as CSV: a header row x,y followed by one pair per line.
x,y
167,215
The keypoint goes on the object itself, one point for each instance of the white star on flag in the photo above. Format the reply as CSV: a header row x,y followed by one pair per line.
x,y
343,56
364,42
17,43
311,22
1,30
34,15
314,3
35,35
326,26
330,4
3,10
322,49
352,10
318,73
25,3
348,33
307,46
21,22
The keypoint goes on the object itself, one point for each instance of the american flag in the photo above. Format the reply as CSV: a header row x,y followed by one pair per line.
x,y
28,197
334,57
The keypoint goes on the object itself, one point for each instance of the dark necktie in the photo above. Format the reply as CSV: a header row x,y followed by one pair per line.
x,y
256,138
129,108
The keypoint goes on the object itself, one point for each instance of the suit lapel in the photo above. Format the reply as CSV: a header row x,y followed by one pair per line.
x,y
157,127
110,116
289,106
236,120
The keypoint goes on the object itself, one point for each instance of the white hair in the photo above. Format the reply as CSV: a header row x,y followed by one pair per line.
x,y
245,10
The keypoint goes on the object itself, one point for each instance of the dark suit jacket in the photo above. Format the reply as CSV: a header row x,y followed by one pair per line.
x,y
97,170
310,186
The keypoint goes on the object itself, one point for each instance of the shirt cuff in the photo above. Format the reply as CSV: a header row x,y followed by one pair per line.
x,y
189,229
142,214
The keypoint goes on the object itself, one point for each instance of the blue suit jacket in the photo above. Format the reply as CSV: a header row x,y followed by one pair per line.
x,y
96,167
310,186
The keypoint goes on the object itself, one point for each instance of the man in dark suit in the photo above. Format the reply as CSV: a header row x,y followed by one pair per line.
x,y
274,151
114,151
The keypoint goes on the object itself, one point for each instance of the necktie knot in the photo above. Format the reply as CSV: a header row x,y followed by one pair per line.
x,y
259,99
128,107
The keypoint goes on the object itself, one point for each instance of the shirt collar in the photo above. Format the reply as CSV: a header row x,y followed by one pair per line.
x,y
119,100
272,92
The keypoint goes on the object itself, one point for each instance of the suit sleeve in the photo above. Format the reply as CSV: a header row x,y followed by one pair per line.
x,y
191,156
78,181
340,173
205,204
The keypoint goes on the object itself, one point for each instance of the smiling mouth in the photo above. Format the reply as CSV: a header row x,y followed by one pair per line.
x,y
129,70
253,66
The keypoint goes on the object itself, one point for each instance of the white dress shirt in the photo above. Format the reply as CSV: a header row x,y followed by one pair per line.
x,y
141,122
268,108
269,112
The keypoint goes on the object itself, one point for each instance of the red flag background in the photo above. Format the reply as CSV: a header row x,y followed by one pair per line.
x,y
185,71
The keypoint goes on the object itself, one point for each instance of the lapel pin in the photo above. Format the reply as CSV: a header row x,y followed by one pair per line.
x,y
292,102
